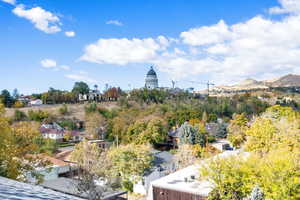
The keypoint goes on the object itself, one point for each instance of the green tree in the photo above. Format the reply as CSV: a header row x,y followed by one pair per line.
x,y
80,88
6,98
130,162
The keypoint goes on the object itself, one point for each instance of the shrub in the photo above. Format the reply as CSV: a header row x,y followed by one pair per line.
x,y
63,110
69,124
37,115
18,104
19,116
92,107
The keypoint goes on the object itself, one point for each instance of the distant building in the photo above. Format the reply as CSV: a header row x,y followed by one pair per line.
x,y
151,81
36,102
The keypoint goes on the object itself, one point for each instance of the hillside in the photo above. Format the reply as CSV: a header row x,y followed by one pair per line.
x,y
290,80
76,110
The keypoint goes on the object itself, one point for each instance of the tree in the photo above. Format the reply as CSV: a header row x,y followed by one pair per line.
x,y
147,132
221,132
130,162
185,156
236,130
193,134
16,142
80,88
93,165
15,94
6,98
277,128
273,140
95,125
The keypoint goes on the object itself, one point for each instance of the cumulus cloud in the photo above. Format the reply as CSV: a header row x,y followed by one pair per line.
x,y
255,48
43,20
259,47
124,51
70,33
206,34
48,63
287,6
52,64
81,76
115,22
12,2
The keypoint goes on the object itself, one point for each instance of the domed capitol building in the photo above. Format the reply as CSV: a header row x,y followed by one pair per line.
x,y
151,81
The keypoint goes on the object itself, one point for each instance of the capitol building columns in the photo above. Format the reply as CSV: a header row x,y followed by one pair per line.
x,y
151,81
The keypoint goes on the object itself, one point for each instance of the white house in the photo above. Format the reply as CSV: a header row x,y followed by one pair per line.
x,y
52,131
36,102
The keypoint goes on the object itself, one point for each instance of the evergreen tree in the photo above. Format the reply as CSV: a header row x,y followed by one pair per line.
x,y
221,132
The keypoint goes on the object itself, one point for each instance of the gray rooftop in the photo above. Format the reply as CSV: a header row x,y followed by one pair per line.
x,y
14,190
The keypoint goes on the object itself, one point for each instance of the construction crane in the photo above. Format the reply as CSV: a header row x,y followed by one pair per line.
x,y
208,84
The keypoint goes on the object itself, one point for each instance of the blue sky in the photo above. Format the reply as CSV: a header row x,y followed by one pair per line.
x,y
115,42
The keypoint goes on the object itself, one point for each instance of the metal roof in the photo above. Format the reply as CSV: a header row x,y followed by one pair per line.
x,y
14,190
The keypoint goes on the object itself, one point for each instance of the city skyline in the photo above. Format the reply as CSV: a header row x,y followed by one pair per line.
x,y
55,43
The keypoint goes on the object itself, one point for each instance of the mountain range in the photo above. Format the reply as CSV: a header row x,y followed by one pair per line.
x,y
290,80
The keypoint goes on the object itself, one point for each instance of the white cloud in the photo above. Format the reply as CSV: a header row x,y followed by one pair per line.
x,y
124,51
64,67
52,64
81,76
287,6
70,33
48,63
42,19
12,2
115,22
206,34
259,47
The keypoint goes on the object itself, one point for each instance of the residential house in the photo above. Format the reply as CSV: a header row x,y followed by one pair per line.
x,y
163,165
222,145
77,136
59,189
185,184
55,168
52,131
11,189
